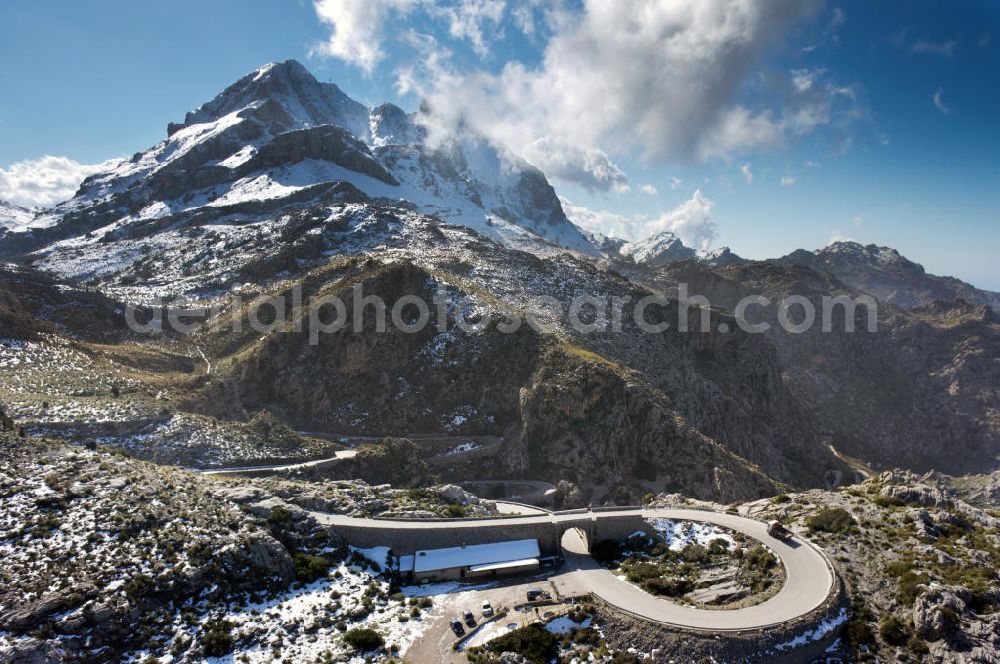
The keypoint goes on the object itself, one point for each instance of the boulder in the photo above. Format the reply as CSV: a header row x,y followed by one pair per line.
x,y
937,612
267,557
456,494
266,507
22,618
32,651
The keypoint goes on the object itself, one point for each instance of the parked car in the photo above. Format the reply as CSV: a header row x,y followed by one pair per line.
x,y
537,593
487,609
456,627
470,619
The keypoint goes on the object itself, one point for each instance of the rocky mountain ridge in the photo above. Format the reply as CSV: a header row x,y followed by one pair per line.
x,y
279,136
14,218
249,198
884,273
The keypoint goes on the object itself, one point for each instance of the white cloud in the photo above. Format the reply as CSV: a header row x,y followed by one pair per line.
x,y
838,237
804,79
906,41
691,221
469,19
939,102
45,181
649,189
356,28
586,91
837,19
602,222
675,182
947,48
589,167
788,180
747,173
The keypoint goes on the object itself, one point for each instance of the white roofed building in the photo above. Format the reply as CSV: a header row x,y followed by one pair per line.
x,y
474,562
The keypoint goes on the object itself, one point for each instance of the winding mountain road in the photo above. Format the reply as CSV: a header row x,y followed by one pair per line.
x,y
809,577
341,454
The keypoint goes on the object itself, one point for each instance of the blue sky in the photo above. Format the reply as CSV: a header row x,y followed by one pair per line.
x,y
766,129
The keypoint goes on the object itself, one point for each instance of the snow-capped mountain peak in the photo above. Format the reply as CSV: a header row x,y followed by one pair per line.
x,y
719,257
14,217
660,248
305,101
851,250
277,141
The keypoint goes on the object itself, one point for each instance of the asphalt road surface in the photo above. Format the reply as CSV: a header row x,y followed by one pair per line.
x,y
809,578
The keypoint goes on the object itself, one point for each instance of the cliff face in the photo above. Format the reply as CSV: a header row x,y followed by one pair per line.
x,y
565,411
911,393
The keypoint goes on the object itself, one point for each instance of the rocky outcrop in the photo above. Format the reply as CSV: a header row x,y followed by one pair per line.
x,y
937,613
20,619
328,143
908,394
921,574
889,276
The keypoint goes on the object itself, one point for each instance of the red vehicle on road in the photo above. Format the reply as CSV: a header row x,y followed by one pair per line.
x,y
776,530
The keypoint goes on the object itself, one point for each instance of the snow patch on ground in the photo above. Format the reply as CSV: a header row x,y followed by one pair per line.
x,y
678,534
817,633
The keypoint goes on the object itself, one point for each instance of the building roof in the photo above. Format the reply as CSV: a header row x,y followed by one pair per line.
x,y
473,555
533,562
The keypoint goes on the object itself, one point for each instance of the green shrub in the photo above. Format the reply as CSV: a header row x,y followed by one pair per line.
x,y
893,630
694,553
888,501
310,568
454,511
533,642
909,588
758,558
858,632
217,637
668,587
718,545
363,639
639,572
831,520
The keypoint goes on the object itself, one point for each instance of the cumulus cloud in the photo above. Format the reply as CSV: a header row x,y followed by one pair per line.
x,y
747,173
675,182
649,189
691,221
45,181
788,180
586,90
356,28
588,167
602,222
